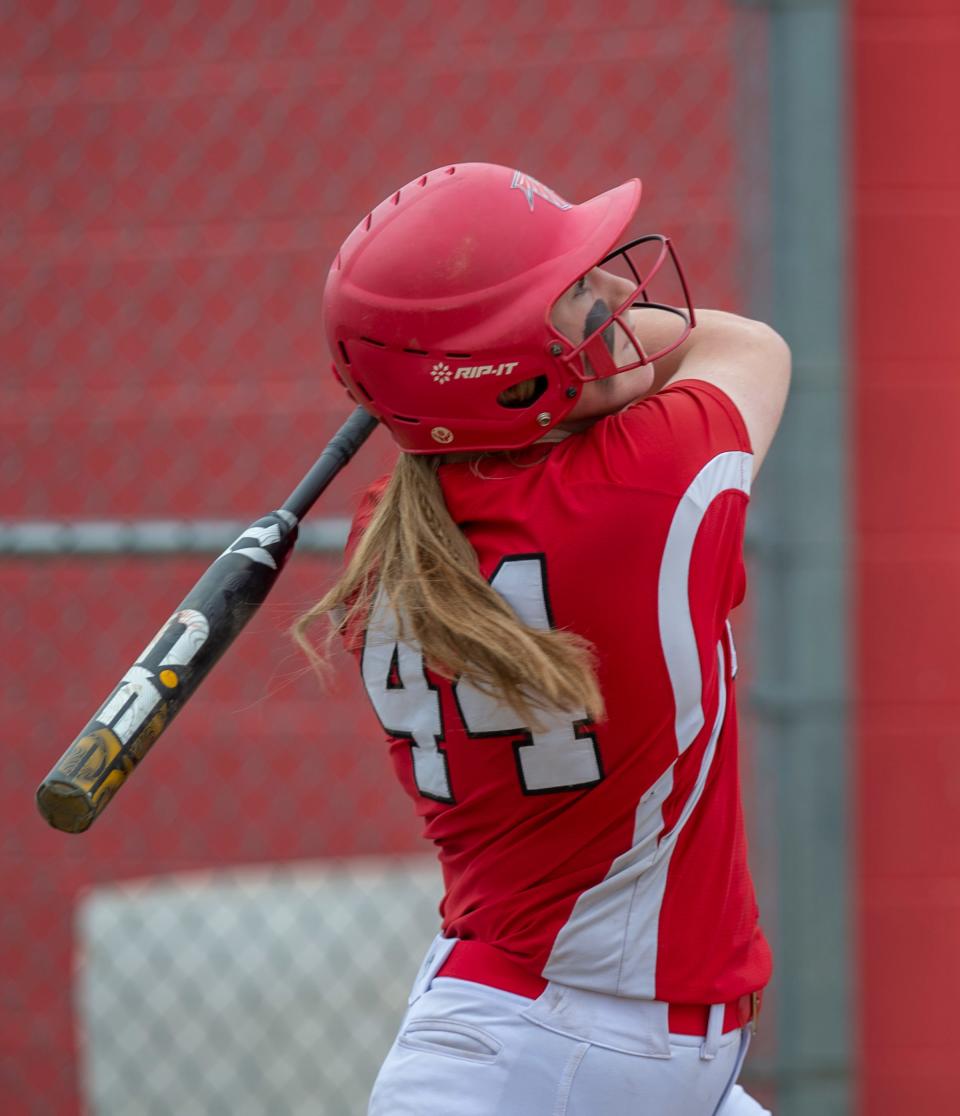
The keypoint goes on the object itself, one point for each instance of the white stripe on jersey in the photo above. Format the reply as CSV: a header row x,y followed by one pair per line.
x,y
638,966
677,638
609,943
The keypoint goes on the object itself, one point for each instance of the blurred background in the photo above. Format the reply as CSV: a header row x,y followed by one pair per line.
x,y
237,933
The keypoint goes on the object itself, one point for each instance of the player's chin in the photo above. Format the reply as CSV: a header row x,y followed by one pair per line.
x,y
633,385
609,396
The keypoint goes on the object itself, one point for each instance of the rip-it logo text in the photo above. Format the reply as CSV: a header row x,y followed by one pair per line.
x,y
442,373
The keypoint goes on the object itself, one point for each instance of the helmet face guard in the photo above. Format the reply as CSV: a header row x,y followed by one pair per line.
x,y
591,359
441,298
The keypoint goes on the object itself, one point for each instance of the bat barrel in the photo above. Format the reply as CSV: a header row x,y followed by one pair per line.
x,y
178,658
171,667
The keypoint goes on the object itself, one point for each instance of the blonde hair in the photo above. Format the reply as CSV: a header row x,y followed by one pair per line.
x,y
414,551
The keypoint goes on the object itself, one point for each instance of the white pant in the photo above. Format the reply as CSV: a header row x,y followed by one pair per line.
x,y
474,1050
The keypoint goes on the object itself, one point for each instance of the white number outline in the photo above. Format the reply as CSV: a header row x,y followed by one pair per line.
x,y
433,762
430,762
522,738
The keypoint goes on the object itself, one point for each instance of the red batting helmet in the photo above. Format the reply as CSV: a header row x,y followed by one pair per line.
x,y
441,298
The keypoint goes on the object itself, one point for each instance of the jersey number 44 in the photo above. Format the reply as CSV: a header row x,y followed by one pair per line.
x,y
562,756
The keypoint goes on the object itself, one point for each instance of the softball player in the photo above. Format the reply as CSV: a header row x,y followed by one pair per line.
x,y
538,597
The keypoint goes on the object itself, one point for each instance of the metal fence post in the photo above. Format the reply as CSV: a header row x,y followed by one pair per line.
x,y
799,540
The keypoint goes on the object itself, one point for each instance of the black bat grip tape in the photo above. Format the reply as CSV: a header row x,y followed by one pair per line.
x,y
342,446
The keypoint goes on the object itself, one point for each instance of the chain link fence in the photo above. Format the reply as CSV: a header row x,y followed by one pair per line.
x,y
237,932
244,992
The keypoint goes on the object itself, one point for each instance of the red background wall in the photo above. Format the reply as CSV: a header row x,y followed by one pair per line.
x,y
179,178
905,209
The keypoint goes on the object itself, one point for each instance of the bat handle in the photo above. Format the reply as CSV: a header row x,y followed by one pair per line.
x,y
342,446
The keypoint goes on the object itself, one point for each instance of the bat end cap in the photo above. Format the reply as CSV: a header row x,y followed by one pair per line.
x,y
65,807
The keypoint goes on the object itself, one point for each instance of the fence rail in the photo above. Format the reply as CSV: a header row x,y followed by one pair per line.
x,y
36,537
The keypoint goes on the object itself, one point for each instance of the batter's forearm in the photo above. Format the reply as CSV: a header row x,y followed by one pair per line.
x,y
657,328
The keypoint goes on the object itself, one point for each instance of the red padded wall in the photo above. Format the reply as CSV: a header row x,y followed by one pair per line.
x,y
175,179
906,402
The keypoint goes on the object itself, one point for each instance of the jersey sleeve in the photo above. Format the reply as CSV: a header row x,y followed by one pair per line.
x,y
365,509
663,441
352,637
677,466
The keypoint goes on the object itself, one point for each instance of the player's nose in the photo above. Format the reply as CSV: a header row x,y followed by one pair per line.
x,y
616,288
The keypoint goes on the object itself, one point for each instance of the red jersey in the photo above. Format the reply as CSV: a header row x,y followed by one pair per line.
x,y
608,856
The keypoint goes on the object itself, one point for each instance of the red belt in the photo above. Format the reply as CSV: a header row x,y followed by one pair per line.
x,y
484,964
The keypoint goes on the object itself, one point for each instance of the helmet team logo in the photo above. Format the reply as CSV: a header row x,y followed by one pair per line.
x,y
532,188
442,373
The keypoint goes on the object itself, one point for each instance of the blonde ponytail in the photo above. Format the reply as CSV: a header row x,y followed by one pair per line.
x,y
428,570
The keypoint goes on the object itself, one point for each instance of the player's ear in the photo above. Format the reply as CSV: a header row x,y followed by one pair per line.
x,y
523,393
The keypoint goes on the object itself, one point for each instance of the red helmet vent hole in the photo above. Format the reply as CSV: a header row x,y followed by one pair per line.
x,y
370,341
367,222
343,352
450,170
404,418
395,198
423,181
